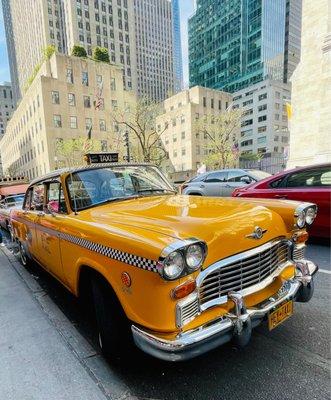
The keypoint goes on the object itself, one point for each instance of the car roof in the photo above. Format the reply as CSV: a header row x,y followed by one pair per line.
x,y
59,172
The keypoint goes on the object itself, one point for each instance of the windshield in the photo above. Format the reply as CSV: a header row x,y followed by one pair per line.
x,y
259,175
14,200
91,187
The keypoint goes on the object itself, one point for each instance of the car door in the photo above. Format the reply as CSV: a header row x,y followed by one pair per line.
x,y
236,178
26,219
48,225
214,183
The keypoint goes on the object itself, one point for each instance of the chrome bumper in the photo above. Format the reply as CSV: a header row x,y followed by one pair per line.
x,y
236,325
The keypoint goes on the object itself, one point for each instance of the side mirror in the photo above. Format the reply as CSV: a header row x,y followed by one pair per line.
x,y
245,179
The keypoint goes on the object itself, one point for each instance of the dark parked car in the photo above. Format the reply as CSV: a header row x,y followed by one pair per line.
x,y
222,182
311,184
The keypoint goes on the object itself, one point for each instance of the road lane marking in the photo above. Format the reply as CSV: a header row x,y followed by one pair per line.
x,y
324,271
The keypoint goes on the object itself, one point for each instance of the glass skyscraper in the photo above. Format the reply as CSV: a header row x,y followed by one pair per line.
x,y
236,43
177,46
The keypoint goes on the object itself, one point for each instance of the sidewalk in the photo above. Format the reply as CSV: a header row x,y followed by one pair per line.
x,y
36,362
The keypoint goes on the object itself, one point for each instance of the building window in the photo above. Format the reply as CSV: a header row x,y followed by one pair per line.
x,y
183,135
55,97
175,153
99,80
114,104
219,104
57,121
204,102
112,84
104,145
262,96
102,124
73,122
212,103
174,139
70,76
84,78
247,122
263,107
261,129
262,118
182,119
71,99
183,151
87,102
88,123
261,139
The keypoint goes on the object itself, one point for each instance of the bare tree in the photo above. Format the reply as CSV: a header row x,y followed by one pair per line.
x,y
140,122
12,171
220,132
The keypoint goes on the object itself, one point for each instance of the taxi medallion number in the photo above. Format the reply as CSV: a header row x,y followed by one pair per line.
x,y
281,314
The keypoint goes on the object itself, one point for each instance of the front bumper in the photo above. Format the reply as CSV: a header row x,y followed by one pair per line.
x,y
236,325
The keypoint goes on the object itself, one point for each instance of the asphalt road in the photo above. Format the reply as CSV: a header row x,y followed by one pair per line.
x,y
291,362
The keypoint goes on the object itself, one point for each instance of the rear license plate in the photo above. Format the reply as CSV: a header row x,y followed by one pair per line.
x,y
281,314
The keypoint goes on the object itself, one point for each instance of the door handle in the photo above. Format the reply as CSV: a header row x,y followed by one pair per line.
x,y
202,186
280,196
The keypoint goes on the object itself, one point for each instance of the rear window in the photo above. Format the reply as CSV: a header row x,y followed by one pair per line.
x,y
259,175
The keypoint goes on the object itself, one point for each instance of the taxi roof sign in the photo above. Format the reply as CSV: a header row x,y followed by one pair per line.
x,y
101,158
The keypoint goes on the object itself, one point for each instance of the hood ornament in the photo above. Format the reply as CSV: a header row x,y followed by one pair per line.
x,y
257,234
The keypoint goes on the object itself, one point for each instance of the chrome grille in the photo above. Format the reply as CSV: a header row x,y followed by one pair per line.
x,y
299,252
187,309
242,270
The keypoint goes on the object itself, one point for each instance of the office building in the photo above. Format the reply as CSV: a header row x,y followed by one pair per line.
x,y
155,50
30,26
177,47
6,106
61,104
105,24
264,127
186,147
234,43
138,34
311,89
292,48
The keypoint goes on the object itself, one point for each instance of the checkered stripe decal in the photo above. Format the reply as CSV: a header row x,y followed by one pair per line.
x,y
127,258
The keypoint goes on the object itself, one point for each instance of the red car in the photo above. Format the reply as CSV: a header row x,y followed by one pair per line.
x,y
311,184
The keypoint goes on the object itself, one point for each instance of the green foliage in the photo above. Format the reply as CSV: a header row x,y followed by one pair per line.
x,y
70,152
101,54
252,157
78,51
48,52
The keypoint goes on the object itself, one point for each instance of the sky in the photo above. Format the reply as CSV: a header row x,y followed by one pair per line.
x,y
186,10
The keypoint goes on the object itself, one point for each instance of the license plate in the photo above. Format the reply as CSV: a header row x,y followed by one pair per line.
x,y
281,314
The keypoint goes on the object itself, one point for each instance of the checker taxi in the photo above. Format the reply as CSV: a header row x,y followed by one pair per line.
x,y
180,275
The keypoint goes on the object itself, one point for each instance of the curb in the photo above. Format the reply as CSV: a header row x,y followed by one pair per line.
x,y
92,361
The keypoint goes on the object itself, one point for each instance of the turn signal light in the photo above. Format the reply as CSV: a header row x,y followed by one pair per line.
x,y
183,290
300,237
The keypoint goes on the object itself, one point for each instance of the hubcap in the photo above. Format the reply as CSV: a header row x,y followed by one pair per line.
x,y
22,254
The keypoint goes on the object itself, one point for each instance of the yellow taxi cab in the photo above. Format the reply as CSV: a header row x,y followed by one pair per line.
x,y
179,274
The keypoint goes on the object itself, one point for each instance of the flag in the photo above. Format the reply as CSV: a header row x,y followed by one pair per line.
x,y
98,100
235,149
289,110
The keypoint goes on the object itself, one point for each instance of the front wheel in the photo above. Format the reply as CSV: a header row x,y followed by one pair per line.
x,y
24,258
113,326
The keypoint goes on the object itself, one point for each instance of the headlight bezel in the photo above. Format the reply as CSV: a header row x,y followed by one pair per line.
x,y
181,247
300,215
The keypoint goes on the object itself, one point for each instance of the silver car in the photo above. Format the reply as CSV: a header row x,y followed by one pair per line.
x,y
221,182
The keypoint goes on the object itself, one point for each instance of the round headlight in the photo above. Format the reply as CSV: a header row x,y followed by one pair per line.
x,y
301,219
173,265
310,215
194,256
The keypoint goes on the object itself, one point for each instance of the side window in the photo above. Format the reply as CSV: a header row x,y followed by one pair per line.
x,y
27,201
55,198
277,183
311,178
217,177
38,196
235,176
